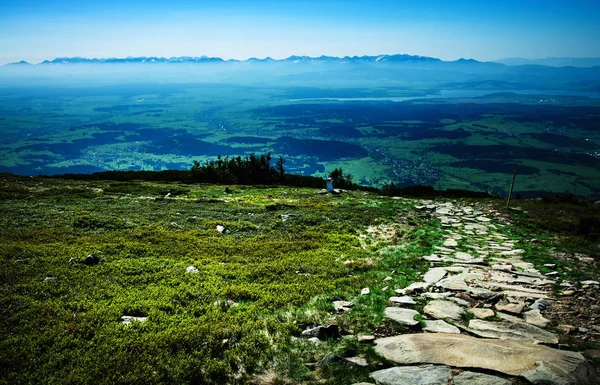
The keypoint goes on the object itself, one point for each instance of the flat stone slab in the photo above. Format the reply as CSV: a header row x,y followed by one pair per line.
x,y
537,363
536,318
441,309
439,326
416,287
511,331
401,315
450,242
482,313
473,378
404,300
413,375
434,275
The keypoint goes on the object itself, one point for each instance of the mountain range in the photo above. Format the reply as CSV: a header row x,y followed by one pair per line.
x,y
396,58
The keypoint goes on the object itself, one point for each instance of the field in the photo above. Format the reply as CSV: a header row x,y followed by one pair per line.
x,y
553,142
285,254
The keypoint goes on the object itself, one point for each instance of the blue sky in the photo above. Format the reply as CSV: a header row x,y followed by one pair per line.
x,y
35,30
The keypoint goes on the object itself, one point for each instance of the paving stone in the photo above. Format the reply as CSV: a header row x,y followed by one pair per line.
x,y
434,275
473,378
442,309
417,287
511,308
536,318
443,295
511,331
404,300
450,243
413,375
537,363
439,326
401,315
481,313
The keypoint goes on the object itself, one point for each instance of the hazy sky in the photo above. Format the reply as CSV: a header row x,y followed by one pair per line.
x,y
35,30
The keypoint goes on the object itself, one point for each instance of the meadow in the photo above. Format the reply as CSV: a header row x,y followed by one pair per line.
x,y
466,142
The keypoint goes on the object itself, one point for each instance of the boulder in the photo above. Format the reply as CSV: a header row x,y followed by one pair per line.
x,y
536,363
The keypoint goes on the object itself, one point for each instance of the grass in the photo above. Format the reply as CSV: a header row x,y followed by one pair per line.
x,y
239,318
258,284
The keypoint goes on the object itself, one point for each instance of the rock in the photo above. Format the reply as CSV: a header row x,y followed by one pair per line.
x,y
583,330
358,361
473,378
540,304
478,292
511,308
128,319
434,275
363,383
401,315
566,329
550,265
456,283
287,217
386,279
482,313
568,293
413,375
314,340
432,258
552,274
535,317
365,339
417,287
595,283
91,259
441,309
191,269
365,291
459,301
405,300
49,278
437,295
512,331
536,363
322,332
221,229
450,242
384,288
439,326
342,306
483,219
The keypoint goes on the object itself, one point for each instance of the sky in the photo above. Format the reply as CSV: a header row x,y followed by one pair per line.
x,y
36,30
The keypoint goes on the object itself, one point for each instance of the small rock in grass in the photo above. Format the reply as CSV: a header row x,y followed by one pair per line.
x,y
191,269
365,291
342,306
551,265
568,293
365,339
552,274
404,300
401,315
386,279
91,260
358,361
322,332
221,229
385,289
594,283
127,319
49,278
314,340
567,329
583,330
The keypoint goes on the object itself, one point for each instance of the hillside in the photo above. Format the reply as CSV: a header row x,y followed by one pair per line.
x,y
148,282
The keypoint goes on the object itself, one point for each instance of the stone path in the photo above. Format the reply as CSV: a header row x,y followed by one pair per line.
x,y
482,314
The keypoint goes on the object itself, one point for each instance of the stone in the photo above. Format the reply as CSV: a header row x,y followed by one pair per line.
x,y
404,300
365,339
221,229
482,313
535,317
384,288
432,258
455,283
536,363
483,219
434,275
568,293
512,331
358,361
450,242
417,287
552,274
443,295
413,375
91,260
583,330
401,315
439,326
474,378
365,291
459,301
566,329
128,319
314,340
386,279
441,309
191,269
322,332
595,283
550,265
511,308
478,292
342,306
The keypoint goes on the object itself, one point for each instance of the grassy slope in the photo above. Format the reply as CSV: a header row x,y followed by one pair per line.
x,y
257,287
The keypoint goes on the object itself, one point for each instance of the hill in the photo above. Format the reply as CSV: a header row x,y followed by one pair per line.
x,y
163,282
